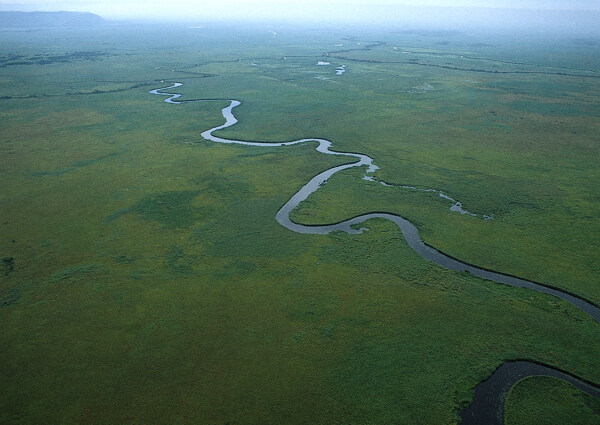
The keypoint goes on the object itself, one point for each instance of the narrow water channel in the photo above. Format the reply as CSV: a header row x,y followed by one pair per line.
x,y
488,401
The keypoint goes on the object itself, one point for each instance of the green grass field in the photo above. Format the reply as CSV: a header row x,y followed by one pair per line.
x,y
145,280
555,401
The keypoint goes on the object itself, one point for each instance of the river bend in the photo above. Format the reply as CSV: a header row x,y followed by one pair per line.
x,y
410,232
487,397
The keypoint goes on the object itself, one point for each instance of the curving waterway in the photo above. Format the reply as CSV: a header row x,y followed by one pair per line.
x,y
504,376
487,406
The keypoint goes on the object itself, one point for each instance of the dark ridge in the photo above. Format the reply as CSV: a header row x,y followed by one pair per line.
x,y
456,68
50,58
81,93
49,19
374,44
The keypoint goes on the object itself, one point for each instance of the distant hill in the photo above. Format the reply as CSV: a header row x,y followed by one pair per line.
x,y
48,19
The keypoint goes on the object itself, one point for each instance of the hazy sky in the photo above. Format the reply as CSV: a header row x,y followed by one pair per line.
x,y
316,10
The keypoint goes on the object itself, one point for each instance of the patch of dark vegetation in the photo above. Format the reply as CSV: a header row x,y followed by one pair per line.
x,y
237,267
76,273
133,87
414,61
75,166
247,231
488,71
80,93
197,74
257,153
8,265
48,59
370,46
138,274
171,209
9,296
124,259
218,184
211,62
178,261
546,108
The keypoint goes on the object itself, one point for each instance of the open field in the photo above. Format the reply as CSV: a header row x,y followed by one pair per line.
x,y
555,402
144,278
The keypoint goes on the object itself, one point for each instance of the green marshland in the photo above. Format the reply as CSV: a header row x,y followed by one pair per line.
x,y
144,278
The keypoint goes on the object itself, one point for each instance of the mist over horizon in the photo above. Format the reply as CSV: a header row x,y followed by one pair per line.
x,y
545,17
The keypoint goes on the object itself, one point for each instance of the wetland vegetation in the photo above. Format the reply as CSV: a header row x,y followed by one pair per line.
x,y
145,279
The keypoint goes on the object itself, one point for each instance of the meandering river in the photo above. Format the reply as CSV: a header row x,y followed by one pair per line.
x,y
487,397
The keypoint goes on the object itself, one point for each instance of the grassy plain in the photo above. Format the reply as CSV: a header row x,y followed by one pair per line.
x,y
145,279
546,400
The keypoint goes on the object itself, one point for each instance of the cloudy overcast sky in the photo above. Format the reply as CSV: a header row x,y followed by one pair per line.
x,y
342,10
